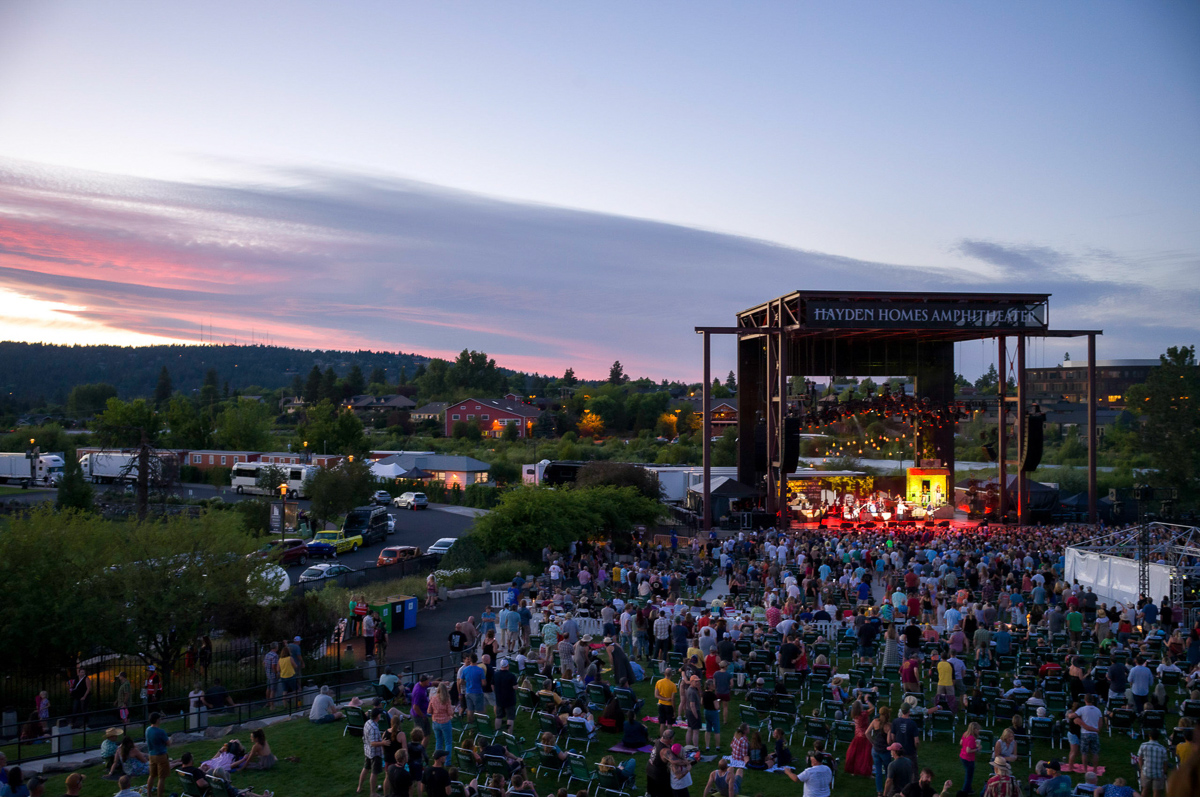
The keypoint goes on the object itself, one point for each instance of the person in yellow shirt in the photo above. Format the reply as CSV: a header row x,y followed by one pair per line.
x,y
665,691
1188,746
945,676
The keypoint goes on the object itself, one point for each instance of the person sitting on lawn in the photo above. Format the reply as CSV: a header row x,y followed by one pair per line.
x,y
520,787
130,760
324,709
221,764
260,756
204,783
634,735
722,782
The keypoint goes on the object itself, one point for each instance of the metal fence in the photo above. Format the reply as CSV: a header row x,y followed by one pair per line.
x,y
65,733
374,575
235,661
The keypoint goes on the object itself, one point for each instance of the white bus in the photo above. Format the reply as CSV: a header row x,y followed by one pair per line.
x,y
244,476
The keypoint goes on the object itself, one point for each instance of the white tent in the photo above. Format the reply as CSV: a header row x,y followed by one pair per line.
x,y
387,471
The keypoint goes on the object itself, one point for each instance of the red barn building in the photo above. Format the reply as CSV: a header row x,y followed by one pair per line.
x,y
492,415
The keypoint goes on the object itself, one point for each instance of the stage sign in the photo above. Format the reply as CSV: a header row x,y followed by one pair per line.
x,y
876,314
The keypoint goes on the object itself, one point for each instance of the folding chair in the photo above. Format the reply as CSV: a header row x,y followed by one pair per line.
x,y
613,784
577,732
578,769
355,720
484,729
1042,728
464,759
753,718
815,728
843,731
1122,720
527,700
941,723
190,789
548,759
548,723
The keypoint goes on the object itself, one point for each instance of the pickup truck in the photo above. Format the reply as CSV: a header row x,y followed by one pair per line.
x,y
328,544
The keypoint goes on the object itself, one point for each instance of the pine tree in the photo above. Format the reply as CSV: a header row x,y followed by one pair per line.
x,y
74,492
312,387
731,382
378,377
569,379
329,386
162,392
355,383
616,374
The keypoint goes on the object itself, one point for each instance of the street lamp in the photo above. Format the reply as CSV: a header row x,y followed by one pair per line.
x,y
305,452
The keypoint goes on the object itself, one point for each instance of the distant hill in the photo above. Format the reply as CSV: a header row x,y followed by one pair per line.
x,y
36,374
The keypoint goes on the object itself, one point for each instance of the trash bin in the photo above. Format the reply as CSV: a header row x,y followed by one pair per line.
x,y
384,610
410,612
62,737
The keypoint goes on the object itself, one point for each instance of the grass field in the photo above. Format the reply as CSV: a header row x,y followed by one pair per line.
x,y
330,763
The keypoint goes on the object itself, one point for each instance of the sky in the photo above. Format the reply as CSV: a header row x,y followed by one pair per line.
x,y
562,185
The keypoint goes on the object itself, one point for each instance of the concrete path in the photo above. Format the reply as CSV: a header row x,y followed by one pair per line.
x,y
465,511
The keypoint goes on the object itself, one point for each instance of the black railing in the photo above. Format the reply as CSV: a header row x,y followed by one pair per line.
x,y
70,734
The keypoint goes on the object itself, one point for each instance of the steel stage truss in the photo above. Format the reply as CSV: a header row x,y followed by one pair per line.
x,y
1173,545
807,333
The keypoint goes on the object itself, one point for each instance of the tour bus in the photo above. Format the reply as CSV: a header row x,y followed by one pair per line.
x,y
245,478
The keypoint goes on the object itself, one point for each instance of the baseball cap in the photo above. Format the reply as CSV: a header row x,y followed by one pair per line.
x,y
896,747
295,639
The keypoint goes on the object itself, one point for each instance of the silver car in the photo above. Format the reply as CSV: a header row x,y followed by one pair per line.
x,y
411,501
442,546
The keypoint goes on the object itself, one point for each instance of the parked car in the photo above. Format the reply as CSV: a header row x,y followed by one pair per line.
x,y
382,497
391,524
323,571
397,553
443,545
328,544
370,522
412,501
286,552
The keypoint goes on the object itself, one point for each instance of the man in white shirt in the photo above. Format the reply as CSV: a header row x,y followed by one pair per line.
x,y
324,709
817,779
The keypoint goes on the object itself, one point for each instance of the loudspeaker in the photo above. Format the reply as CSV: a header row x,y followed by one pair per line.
x,y
760,447
1031,451
791,444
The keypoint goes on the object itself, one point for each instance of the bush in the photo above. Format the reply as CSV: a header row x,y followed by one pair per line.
x,y
464,553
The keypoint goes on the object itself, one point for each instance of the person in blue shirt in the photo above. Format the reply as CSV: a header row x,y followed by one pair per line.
x,y
470,685
1002,640
1150,614
157,742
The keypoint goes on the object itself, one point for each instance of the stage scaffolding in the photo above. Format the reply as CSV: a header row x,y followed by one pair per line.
x,y
809,333
1174,546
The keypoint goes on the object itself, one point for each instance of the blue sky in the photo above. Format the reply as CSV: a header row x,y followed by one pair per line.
x,y
566,184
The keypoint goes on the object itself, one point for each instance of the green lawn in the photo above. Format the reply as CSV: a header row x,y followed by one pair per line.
x,y
329,763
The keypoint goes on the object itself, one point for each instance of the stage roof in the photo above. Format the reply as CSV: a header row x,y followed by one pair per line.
x,y
932,316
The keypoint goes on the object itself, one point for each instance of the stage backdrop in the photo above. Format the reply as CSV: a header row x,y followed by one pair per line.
x,y
1114,578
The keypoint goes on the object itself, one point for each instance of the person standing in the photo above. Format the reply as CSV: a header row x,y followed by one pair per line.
x,y
368,634
899,771
1141,682
664,692
1090,719
907,734
1152,765
968,747
1002,783
817,778
372,750
157,743
153,686
419,713
504,687
80,689
297,656
441,714
124,696
271,668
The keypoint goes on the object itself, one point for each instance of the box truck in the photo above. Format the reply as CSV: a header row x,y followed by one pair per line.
x,y
47,470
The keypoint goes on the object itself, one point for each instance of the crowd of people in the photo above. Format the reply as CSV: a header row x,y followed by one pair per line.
x,y
975,624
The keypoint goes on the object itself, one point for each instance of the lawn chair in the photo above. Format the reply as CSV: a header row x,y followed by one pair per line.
x,y
355,720
1190,709
464,759
1154,720
190,789
793,682
548,723
830,708
843,731
787,704
941,722
516,746
497,765
548,759
577,732
626,699
579,770
815,728
1122,720
762,701
386,695
987,742
458,789
754,719
1056,702
568,689
597,697
1042,729
527,700
883,688
484,729
613,784
783,721
546,704
1024,748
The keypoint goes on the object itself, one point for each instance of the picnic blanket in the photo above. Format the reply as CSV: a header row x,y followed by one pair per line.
x,y
620,748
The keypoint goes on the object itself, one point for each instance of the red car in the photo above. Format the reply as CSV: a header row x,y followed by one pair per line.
x,y
286,552
397,553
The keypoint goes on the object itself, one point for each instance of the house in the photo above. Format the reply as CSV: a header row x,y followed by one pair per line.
x,y
492,415
290,404
367,404
724,411
432,411
452,470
